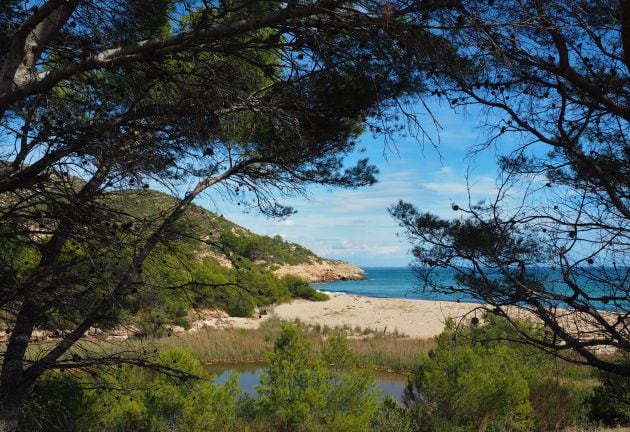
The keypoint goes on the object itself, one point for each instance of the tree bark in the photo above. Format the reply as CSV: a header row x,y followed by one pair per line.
x,y
10,416
13,392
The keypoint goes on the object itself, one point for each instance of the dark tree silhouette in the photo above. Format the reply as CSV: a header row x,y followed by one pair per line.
x,y
553,77
257,99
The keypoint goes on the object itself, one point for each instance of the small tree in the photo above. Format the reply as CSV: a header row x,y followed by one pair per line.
x,y
466,385
299,392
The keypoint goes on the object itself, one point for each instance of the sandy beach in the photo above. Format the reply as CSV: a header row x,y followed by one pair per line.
x,y
413,318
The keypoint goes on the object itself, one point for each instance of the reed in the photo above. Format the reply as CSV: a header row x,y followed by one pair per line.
x,y
226,345
390,352
381,350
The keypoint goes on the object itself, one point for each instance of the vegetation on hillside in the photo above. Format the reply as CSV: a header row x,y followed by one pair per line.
x,y
199,244
218,234
158,301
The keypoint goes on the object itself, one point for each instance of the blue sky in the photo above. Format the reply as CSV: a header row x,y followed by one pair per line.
x,y
354,225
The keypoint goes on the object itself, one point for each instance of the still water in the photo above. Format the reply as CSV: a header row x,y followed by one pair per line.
x,y
390,383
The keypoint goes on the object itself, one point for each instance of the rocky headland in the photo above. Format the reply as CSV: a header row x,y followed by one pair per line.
x,y
322,271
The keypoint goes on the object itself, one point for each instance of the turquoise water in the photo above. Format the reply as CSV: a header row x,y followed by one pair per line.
x,y
403,283
391,283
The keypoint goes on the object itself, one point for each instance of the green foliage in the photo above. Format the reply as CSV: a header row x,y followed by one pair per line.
x,y
337,352
300,288
56,404
390,416
610,402
299,392
134,399
290,387
142,401
475,388
272,250
477,378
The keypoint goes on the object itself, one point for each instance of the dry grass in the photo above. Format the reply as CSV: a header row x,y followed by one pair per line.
x,y
226,345
381,350
391,353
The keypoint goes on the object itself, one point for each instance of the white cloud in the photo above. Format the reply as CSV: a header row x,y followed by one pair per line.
x,y
479,187
384,250
284,222
348,247
447,171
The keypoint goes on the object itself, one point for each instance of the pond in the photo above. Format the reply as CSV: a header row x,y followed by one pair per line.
x,y
390,383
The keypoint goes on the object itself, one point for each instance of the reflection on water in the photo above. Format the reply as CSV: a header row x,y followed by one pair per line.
x,y
390,384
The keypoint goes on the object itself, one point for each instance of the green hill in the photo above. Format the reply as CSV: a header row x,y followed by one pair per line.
x,y
224,265
205,261
212,234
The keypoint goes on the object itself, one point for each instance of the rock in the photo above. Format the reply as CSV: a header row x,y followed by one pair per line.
x,y
178,330
94,331
322,271
39,335
122,333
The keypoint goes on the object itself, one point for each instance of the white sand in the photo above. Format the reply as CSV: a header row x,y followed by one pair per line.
x,y
414,318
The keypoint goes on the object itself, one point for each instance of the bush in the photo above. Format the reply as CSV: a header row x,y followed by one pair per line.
x,y
474,389
56,404
482,378
302,289
241,306
555,404
390,416
610,402
299,392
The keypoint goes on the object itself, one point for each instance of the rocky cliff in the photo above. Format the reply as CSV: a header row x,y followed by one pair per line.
x,y
322,271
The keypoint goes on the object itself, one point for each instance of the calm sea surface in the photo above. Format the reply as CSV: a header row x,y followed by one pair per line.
x,y
404,283
392,283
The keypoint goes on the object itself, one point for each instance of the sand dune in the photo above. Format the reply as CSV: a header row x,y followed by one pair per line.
x,y
414,318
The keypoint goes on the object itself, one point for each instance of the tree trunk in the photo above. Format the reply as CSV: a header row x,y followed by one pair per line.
x,y
11,411
13,388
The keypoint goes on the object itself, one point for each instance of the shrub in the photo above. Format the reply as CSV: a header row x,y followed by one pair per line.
x,y
141,401
390,416
299,392
474,389
55,404
241,306
610,402
300,288
555,404
475,379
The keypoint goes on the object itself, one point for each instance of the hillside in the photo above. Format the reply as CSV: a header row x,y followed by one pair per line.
x,y
205,263
230,243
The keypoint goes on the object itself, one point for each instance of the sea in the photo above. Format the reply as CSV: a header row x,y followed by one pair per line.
x,y
391,282
403,282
